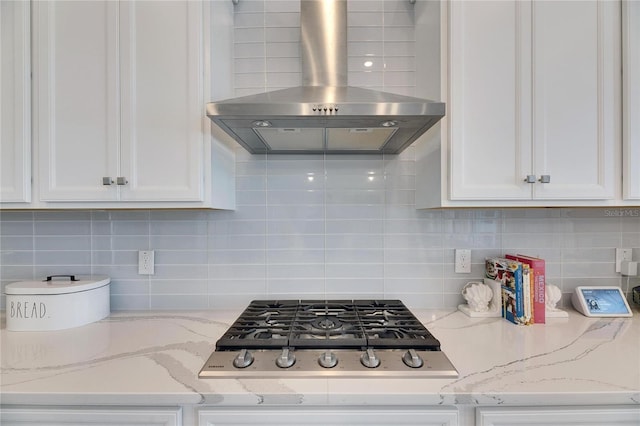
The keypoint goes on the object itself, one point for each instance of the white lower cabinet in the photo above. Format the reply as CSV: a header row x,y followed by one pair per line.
x,y
102,416
555,416
302,416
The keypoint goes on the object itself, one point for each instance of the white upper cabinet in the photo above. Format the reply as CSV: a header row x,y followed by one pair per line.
x,y
76,97
631,99
533,93
15,94
119,90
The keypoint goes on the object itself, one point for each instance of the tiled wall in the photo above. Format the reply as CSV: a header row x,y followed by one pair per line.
x,y
351,232
313,226
380,39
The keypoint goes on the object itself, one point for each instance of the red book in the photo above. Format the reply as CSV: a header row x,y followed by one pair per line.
x,y
539,280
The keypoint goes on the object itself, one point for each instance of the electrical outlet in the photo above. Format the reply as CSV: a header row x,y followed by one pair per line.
x,y
463,261
623,254
146,263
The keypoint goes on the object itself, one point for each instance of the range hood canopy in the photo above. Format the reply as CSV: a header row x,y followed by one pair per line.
x,y
325,115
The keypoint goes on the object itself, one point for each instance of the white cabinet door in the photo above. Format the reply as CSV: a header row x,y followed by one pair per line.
x,y
489,104
162,100
631,98
576,86
584,416
120,95
302,416
15,95
76,98
91,416
533,91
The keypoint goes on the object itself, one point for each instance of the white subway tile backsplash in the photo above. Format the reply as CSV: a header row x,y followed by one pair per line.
x,y
178,287
249,50
174,301
400,63
249,6
283,50
283,65
365,48
360,34
366,79
11,258
249,35
282,19
9,243
356,196
296,286
282,35
365,19
295,242
295,256
354,241
294,227
399,48
399,33
415,285
413,255
365,6
359,288
283,80
61,228
256,79
398,18
361,212
400,78
297,212
349,271
62,242
297,272
59,257
249,20
354,256
238,257
250,65
354,227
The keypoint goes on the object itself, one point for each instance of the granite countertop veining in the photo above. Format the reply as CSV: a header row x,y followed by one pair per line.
x,y
153,358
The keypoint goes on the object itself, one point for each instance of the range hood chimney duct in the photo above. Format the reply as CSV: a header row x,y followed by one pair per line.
x,y
323,36
325,115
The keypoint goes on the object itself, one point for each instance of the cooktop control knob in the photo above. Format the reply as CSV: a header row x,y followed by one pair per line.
x,y
243,359
412,359
369,359
328,360
286,359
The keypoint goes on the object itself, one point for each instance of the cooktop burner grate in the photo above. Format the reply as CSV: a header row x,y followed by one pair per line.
x,y
327,324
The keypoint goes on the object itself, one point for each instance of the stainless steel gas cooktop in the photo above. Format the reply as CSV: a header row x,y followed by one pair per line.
x,y
327,338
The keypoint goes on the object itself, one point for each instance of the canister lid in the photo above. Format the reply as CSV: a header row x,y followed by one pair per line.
x,y
57,285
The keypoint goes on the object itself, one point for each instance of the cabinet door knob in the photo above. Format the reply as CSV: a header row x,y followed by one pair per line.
x,y
121,180
544,179
107,181
530,179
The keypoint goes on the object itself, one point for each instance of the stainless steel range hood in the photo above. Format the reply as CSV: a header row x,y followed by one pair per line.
x,y
325,115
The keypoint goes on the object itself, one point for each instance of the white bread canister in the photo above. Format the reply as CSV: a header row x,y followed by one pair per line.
x,y
54,304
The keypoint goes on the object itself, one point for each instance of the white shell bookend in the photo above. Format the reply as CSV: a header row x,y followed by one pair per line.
x,y
552,295
478,296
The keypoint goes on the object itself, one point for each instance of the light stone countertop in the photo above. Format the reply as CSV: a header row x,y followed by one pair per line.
x,y
153,358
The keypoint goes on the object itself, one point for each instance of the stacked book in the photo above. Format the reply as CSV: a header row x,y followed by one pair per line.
x,y
521,280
